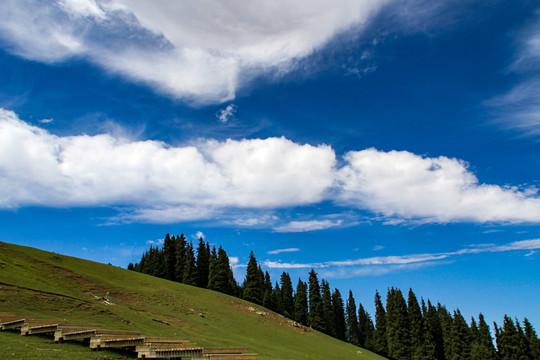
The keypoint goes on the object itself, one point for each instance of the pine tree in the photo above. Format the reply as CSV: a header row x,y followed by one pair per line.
x,y
328,310
223,280
253,287
397,330
301,303
190,274
460,338
482,344
508,341
212,268
169,250
339,314
365,328
524,345
203,263
268,299
446,326
180,261
278,299
351,320
534,341
316,311
287,299
434,331
417,328
380,343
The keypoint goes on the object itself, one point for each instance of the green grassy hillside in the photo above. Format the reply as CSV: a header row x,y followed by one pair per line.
x,y
46,285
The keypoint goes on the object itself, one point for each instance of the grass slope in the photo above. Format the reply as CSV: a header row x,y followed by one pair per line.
x,y
41,284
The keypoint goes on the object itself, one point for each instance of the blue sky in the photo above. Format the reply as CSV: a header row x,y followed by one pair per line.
x,y
383,143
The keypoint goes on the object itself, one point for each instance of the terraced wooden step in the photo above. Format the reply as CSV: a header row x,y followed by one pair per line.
x,y
35,326
231,356
225,350
170,353
115,341
73,332
11,324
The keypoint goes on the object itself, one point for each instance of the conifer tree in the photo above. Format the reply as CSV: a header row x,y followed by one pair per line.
x,y
446,326
224,280
339,315
524,345
534,341
365,328
328,310
351,320
482,344
460,338
203,263
180,261
253,290
397,330
434,329
301,303
380,343
417,328
316,311
268,299
508,341
287,299
169,250
278,299
190,274
212,268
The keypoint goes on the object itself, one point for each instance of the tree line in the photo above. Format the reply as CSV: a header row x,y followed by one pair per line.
x,y
402,328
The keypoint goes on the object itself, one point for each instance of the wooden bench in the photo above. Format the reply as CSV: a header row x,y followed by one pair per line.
x,y
74,332
171,352
231,356
11,324
225,350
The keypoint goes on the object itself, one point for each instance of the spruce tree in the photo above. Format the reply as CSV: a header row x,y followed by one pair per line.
x,y
417,328
253,288
339,315
328,310
180,261
190,274
482,344
316,311
397,329
365,328
509,341
380,343
351,320
278,299
203,263
223,281
534,341
434,330
301,303
460,338
169,250
287,299
212,268
446,326
268,300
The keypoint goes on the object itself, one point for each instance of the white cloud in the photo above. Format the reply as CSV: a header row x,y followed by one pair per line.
x,y
160,181
155,242
46,121
199,235
227,114
279,251
405,186
381,265
242,181
304,226
199,51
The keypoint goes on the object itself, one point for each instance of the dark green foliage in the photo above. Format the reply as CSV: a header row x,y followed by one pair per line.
x,y
169,252
212,268
203,263
316,310
421,346
269,300
446,327
397,330
224,280
328,310
287,299
351,320
460,341
510,341
131,266
380,344
253,284
365,328
180,262
482,344
534,342
434,331
190,275
301,303
339,315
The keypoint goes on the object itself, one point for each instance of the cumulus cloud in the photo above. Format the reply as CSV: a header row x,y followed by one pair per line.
x,y
224,115
190,182
381,265
199,51
405,186
242,182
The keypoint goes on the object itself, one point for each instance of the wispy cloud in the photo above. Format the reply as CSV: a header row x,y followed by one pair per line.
x,y
311,225
279,251
227,114
380,265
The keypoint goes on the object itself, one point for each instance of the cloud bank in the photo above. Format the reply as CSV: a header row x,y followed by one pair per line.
x,y
155,182
199,51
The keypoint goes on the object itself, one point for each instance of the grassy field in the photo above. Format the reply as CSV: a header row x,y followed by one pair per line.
x,y
41,284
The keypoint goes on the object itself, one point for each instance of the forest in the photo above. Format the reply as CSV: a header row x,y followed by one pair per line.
x,y
402,328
